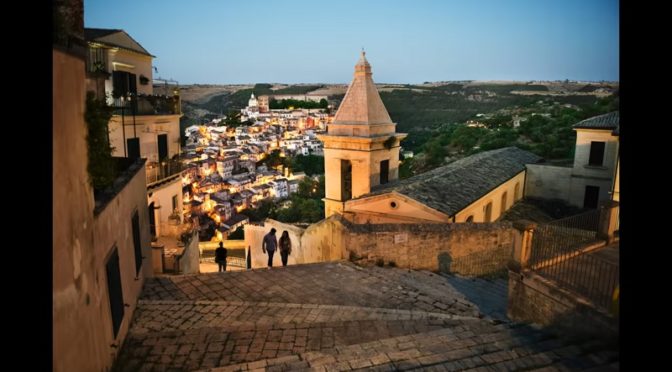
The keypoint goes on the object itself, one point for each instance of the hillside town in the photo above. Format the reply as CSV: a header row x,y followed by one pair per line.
x,y
223,176
493,245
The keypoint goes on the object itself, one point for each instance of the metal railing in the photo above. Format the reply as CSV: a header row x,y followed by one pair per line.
x,y
561,251
145,104
230,261
563,236
159,171
96,60
587,275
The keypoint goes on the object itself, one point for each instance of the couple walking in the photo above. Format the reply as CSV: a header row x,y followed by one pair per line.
x,y
270,244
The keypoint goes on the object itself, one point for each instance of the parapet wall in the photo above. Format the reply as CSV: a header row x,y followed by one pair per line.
x,y
439,247
534,299
470,249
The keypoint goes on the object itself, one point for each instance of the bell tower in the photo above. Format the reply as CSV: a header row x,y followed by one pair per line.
x,y
361,147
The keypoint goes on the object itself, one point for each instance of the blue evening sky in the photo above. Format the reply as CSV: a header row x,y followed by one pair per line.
x,y
412,41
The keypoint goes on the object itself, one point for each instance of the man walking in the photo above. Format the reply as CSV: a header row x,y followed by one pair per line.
x,y
269,244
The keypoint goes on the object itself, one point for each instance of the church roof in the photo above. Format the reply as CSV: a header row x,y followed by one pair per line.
x,y
606,121
453,187
114,38
362,103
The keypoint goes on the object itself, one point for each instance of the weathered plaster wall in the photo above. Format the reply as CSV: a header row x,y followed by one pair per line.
x,y
548,182
190,260
75,288
82,326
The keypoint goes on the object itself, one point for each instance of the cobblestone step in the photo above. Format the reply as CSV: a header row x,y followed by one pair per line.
x,y
152,316
346,318
490,296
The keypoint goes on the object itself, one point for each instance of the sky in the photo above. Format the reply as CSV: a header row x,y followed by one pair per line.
x,y
412,41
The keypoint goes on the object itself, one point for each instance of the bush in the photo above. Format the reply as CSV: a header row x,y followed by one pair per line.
x,y
392,264
102,169
380,262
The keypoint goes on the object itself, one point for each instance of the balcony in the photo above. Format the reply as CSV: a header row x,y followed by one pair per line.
x,y
163,171
145,104
126,170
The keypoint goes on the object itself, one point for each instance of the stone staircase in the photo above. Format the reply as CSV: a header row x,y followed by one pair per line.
x,y
417,320
476,345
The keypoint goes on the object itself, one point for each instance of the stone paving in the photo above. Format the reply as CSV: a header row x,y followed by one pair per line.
x,y
336,316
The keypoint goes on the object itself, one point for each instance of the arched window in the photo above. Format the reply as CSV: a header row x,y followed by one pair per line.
x,y
488,212
470,219
504,196
516,192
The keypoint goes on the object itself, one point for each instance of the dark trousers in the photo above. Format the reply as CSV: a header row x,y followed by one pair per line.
x,y
270,257
222,266
283,256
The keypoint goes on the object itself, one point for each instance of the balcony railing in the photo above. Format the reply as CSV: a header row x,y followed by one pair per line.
x,y
144,104
96,60
160,171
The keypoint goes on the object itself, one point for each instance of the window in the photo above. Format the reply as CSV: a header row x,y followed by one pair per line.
x,y
488,212
123,84
114,290
504,196
384,171
596,153
516,192
174,202
470,219
346,180
135,221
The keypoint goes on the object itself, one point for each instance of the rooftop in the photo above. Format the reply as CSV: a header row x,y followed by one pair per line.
x,y
606,121
114,38
453,187
362,103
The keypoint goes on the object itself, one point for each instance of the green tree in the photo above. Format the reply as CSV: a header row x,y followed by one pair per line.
x,y
101,167
233,119
311,164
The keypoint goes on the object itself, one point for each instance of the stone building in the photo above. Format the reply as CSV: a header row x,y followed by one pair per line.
x,y
143,125
361,152
100,241
361,147
593,176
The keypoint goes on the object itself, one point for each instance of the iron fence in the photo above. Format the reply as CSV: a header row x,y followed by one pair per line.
x,y
146,104
560,253
563,236
587,275
159,171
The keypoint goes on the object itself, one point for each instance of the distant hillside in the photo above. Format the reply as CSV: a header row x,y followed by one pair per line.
x,y
417,109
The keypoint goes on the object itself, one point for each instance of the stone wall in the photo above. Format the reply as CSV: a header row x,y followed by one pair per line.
x,y
536,300
190,260
320,242
465,248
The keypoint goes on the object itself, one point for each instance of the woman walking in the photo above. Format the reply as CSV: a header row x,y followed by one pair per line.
x,y
285,247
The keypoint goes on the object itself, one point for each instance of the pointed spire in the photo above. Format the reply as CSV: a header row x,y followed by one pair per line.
x,y
362,103
363,65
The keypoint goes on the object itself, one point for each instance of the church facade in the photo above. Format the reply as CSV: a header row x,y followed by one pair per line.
x,y
361,152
